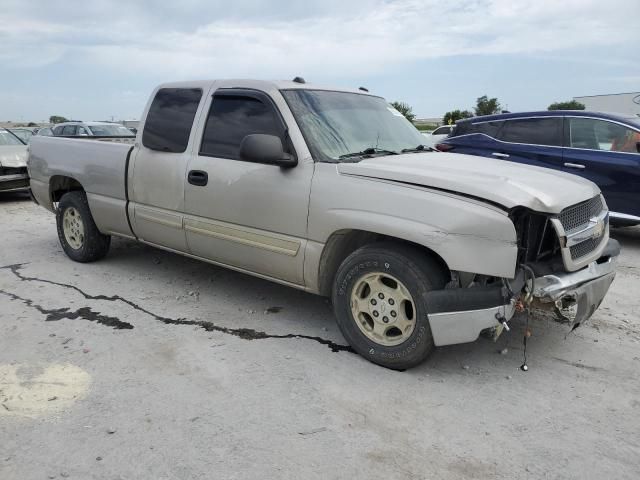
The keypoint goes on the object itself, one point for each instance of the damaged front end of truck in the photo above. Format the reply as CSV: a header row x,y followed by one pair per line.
x,y
565,266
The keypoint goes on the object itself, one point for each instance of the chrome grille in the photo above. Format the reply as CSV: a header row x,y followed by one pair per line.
x,y
577,216
583,249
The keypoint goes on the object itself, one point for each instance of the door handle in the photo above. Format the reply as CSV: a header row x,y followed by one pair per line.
x,y
197,178
575,165
500,155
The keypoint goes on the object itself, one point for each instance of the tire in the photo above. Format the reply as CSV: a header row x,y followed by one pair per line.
x,y
82,241
404,340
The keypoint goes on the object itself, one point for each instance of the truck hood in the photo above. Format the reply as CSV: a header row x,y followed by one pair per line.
x,y
500,182
13,156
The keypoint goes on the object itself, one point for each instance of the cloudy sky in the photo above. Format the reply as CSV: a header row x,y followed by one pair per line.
x,y
97,59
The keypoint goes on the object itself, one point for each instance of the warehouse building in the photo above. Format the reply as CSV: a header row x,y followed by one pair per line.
x,y
628,103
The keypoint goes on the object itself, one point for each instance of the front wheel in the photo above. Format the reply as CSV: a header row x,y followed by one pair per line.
x,y
378,299
80,238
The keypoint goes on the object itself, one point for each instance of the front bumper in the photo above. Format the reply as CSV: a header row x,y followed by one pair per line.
x,y
574,297
12,183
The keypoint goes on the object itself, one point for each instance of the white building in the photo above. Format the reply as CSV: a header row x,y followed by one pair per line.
x,y
616,102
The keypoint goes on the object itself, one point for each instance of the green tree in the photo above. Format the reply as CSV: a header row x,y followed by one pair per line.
x,y
405,109
57,119
487,106
452,117
570,105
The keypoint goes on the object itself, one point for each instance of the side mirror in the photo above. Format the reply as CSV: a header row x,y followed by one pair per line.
x,y
261,148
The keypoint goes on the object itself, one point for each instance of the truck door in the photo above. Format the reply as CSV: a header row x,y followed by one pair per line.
x,y
157,168
247,215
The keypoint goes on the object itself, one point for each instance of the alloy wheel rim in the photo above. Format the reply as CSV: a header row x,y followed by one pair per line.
x,y
383,309
73,228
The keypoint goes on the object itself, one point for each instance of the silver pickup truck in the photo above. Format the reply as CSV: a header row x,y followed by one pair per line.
x,y
331,191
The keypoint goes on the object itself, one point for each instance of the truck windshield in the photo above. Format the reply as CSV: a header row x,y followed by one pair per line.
x,y
111,131
341,126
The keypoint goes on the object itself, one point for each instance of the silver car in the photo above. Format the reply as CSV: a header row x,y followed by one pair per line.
x,y
13,162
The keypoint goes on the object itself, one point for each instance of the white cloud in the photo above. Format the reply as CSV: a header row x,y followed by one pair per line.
x,y
371,36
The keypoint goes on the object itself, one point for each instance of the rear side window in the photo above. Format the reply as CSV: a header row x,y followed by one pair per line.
x,y
231,118
487,128
535,131
170,118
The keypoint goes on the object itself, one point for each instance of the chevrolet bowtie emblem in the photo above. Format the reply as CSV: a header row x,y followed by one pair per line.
x,y
598,227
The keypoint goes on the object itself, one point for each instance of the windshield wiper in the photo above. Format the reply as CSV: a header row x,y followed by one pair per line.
x,y
419,148
368,152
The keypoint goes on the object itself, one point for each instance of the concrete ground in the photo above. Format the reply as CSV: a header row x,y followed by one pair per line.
x,y
149,365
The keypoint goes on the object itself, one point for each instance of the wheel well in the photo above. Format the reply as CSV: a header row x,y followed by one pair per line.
x,y
59,185
343,243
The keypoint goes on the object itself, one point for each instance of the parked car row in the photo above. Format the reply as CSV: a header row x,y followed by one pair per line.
x,y
13,162
603,148
333,192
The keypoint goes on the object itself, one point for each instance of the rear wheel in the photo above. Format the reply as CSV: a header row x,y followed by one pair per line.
x,y
80,238
378,299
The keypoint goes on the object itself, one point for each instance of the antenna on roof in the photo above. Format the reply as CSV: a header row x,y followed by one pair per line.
x,y
299,80
363,89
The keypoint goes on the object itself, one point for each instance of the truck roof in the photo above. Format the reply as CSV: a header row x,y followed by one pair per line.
x,y
264,85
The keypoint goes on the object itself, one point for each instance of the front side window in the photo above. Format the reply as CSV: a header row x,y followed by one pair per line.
x,y
337,125
596,134
69,130
233,117
535,131
170,118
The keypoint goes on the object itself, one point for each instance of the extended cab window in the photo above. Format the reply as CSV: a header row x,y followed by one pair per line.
x,y
231,118
535,131
170,118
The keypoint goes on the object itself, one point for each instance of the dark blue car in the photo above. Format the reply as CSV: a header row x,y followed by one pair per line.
x,y
601,147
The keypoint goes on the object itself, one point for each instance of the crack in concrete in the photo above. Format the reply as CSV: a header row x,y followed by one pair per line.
x,y
87,314
84,313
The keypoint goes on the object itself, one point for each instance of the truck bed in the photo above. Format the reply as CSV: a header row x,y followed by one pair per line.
x,y
100,167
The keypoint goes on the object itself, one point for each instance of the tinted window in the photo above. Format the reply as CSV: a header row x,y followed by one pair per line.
x,y
488,128
58,130
231,118
602,135
170,118
69,130
536,131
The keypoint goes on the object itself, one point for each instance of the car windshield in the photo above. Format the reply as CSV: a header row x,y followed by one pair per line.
x,y
8,138
341,126
111,131
22,133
